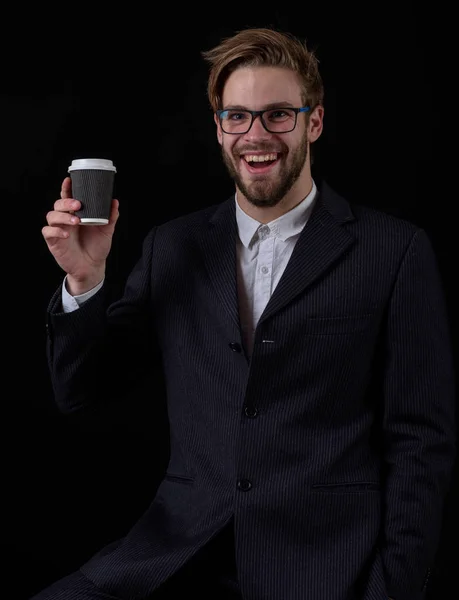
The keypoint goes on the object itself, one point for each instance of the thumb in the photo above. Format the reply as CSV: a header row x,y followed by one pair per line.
x,y
114,212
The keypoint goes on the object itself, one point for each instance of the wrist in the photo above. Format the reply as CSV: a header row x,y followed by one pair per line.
x,y
77,287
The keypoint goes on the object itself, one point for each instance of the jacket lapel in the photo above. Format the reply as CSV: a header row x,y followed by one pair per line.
x,y
218,246
321,243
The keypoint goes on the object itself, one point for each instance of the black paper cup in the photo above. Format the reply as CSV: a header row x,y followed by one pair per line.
x,y
92,184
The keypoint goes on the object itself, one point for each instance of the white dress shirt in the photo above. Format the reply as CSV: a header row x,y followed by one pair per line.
x,y
263,252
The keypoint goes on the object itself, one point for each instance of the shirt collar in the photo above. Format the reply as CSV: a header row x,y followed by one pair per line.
x,y
283,227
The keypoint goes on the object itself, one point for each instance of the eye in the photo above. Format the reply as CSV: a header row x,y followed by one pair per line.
x,y
236,115
280,114
277,114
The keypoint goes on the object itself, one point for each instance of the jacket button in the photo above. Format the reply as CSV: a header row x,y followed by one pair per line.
x,y
250,411
235,347
244,485
426,579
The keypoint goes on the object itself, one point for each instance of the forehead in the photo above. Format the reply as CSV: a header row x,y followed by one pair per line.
x,y
256,87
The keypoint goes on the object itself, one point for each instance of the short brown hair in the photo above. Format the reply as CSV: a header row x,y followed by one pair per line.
x,y
256,47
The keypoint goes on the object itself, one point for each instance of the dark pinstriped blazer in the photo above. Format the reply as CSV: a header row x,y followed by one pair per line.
x,y
332,448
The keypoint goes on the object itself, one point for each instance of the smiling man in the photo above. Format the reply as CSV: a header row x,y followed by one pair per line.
x,y
265,132
306,351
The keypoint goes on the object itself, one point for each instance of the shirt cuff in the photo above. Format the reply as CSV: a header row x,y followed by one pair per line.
x,y
71,303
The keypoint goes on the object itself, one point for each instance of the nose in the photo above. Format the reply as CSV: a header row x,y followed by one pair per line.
x,y
257,131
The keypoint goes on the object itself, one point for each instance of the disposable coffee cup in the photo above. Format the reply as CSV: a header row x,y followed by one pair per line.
x,y
92,184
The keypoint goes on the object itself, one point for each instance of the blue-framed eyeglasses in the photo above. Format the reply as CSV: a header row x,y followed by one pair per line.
x,y
274,120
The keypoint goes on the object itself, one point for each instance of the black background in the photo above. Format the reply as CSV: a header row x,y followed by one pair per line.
x,y
129,84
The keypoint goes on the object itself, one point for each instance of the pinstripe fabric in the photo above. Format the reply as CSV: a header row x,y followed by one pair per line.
x,y
73,587
94,189
331,448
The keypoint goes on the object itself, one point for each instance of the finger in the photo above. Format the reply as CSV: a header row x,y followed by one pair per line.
x,y
54,233
114,213
66,188
67,205
55,217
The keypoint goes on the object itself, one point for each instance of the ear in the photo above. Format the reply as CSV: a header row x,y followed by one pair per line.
x,y
219,130
316,123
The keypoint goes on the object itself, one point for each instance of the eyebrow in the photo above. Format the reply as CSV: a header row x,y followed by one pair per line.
x,y
267,106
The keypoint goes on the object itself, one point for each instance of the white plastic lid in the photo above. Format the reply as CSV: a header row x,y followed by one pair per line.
x,y
100,164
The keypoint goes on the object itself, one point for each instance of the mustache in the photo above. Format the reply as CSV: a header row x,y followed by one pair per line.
x,y
264,149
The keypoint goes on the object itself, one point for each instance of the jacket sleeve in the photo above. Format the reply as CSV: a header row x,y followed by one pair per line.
x,y
95,352
418,421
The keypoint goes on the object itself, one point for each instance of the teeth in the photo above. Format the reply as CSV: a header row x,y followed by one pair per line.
x,y
260,157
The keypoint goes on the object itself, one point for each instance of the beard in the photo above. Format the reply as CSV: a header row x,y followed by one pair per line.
x,y
266,192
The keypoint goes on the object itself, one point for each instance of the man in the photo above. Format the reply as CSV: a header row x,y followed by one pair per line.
x,y
306,353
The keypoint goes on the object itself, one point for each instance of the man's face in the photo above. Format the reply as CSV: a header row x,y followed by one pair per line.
x,y
264,184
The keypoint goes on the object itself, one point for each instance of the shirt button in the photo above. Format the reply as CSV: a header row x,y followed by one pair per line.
x,y
264,270
235,347
250,411
244,485
263,232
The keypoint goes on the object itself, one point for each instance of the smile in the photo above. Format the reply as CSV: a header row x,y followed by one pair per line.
x,y
260,163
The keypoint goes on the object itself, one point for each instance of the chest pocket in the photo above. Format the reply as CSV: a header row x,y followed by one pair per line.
x,y
344,325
